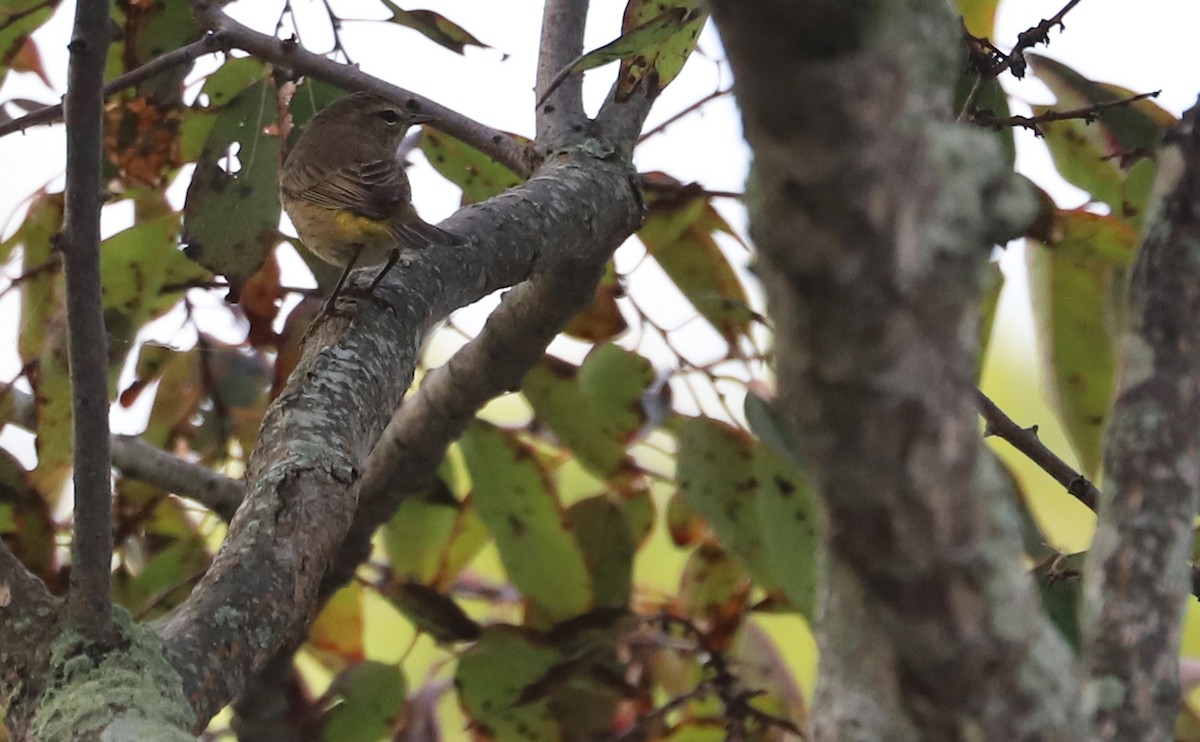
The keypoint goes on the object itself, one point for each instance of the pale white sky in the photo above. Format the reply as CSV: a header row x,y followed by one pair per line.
x,y
1143,46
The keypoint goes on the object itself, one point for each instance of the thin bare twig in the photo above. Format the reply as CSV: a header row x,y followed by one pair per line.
x,y
695,106
89,601
1039,34
289,54
1087,114
210,44
138,460
989,62
1027,442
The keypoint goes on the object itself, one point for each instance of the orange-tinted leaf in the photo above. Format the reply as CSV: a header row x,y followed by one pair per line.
x,y
141,140
602,321
29,59
260,298
336,637
18,19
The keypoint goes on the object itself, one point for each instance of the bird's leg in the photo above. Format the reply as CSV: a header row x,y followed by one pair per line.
x,y
393,258
328,307
341,282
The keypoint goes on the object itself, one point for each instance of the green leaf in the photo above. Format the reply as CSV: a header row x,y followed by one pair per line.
x,y
419,533
713,585
594,409
679,233
715,471
467,538
479,176
639,39
42,341
25,520
792,524
1060,582
435,27
231,214
656,61
768,425
991,97
144,274
230,79
602,530
18,19
151,30
1078,289
492,679
1111,158
514,498
42,289
993,285
755,500
371,695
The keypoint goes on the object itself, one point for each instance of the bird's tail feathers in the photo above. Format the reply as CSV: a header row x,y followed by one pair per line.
x,y
418,234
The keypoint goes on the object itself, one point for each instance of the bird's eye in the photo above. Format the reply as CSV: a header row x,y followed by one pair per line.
x,y
390,117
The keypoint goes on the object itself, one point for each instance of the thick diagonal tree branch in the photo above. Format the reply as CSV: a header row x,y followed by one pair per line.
x,y
1137,574
302,491
89,601
871,211
289,54
414,442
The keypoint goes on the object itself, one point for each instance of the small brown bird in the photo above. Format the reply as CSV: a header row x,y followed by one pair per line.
x,y
348,195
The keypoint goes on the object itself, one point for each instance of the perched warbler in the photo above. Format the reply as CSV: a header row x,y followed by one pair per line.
x,y
347,194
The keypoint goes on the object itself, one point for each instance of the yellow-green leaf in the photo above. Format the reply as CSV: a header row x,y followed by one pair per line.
x,y
1077,285
1111,158
594,409
515,499
479,176
656,62
492,679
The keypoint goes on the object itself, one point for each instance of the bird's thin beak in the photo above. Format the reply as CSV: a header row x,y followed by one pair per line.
x,y
419,118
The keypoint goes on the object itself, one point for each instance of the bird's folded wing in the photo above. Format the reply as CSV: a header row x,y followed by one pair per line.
x,y
372,188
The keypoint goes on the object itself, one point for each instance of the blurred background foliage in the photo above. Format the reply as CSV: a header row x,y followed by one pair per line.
x,y
624,538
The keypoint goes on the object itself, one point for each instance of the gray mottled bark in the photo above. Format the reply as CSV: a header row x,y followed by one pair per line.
x,y
874,215
1137,576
